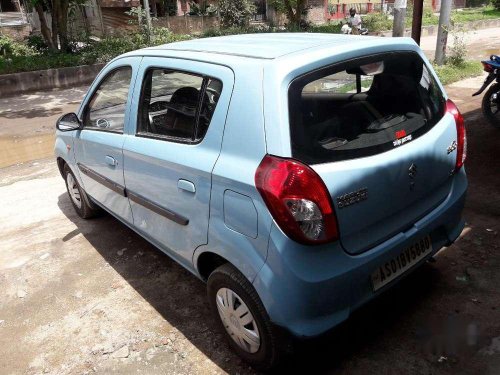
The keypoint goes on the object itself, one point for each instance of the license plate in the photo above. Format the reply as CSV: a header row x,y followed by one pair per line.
x,y
401,263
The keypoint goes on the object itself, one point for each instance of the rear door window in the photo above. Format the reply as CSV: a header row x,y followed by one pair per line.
x,y
362,107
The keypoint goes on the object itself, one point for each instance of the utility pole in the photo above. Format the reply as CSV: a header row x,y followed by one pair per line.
x,y
416,24
444,25
398,27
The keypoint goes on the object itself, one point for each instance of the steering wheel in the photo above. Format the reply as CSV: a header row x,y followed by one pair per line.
x,y
152,124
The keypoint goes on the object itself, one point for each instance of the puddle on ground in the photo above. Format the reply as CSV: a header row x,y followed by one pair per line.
x,y
23,149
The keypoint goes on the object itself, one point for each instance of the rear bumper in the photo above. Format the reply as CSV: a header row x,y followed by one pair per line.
x,y
309,290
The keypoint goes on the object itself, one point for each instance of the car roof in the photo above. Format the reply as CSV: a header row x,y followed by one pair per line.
x,y
264,45
290,53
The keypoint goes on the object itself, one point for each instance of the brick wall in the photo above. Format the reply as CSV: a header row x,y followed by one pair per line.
x,y
17,32
187,24
316,13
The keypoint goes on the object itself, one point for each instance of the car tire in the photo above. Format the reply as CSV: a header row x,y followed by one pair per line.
x,y
77,196
269,351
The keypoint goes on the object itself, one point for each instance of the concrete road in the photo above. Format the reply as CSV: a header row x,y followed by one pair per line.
x,y
81,296
480,43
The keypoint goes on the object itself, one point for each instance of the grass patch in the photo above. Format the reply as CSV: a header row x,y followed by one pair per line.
x,y
376,22
450,73
469,15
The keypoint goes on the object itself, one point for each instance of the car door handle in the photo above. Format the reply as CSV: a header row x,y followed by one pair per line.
x,y
111,160
186,185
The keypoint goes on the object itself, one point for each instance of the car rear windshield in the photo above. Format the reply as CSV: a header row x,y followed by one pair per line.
x,y
362,107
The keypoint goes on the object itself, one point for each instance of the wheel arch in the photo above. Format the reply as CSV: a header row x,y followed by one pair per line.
x,y
60,165
207,262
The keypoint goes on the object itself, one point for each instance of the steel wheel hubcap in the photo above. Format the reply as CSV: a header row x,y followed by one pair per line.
x,y
238,320
74,193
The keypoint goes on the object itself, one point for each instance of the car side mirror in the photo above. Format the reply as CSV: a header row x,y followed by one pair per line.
x,y
68,122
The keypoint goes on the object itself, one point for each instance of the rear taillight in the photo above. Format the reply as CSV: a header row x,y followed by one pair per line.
x,y
298,200
452,109
487,67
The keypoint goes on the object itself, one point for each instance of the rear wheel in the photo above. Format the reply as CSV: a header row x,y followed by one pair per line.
x,y
491,105
242,317
77,195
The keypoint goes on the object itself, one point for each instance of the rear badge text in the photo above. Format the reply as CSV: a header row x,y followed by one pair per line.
x,y
401,141
352,198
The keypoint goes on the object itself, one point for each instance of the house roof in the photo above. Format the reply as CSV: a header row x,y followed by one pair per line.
x,y
264,45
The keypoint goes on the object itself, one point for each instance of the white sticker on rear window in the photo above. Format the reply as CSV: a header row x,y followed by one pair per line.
x,y
399,142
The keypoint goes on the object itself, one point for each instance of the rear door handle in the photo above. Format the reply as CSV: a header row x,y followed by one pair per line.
x,y
111,160
186,185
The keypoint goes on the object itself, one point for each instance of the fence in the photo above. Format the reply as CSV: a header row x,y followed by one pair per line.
x,y
340,11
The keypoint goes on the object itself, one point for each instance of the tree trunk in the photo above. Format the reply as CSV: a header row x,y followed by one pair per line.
x,y
55,28
63,24
44,27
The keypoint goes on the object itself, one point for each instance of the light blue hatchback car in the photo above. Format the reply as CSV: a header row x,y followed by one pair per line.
x,y
299,175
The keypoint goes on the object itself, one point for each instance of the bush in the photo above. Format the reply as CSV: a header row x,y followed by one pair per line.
x,y
235,13
458,51
332,28
106,49
162,35
10,48
377,22
37,43
17,64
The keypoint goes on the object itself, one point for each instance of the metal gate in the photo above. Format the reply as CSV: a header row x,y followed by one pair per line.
x,y
260,10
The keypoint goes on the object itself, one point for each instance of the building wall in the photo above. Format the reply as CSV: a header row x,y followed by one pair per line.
x,y
321,11
316,13
116,21
187,24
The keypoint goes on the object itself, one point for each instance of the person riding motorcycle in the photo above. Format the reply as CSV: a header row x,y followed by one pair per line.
x,y
354,21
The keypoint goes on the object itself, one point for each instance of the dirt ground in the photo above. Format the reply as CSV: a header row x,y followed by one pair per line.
x,y
91,296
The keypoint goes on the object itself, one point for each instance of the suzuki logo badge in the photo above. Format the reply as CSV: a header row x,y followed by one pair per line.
x,y
412,173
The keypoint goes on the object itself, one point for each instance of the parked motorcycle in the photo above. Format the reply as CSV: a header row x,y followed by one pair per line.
x,y
491,100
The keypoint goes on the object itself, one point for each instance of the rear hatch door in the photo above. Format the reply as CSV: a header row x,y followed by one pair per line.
x,y
379,196
376,131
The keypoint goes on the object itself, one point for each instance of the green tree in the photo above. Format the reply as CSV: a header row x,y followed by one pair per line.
x,y
496,4
294,9
235,13
171,7
55,36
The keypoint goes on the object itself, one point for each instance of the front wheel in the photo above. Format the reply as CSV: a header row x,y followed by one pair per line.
x,y
242,317
491,105
77,195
